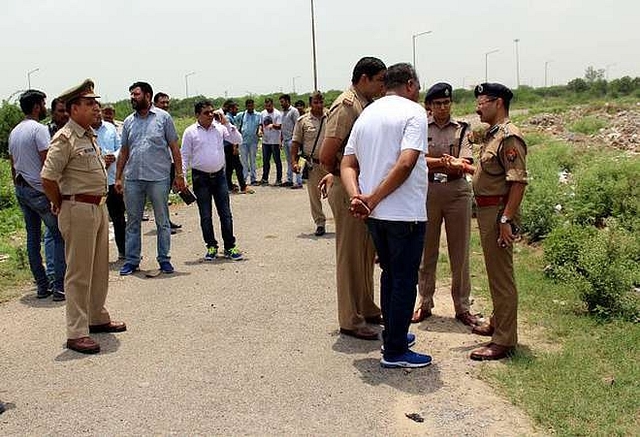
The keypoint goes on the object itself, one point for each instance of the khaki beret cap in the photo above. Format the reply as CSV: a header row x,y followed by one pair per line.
x,y
85,89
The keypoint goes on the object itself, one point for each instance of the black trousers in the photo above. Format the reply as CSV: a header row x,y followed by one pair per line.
x,y
115,206
232,162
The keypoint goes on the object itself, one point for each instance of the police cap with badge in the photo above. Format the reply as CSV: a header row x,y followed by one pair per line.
x,y
493,90
85,89
441,90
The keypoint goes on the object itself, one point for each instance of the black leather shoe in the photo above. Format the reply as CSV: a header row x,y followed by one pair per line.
x,y
174,225
320,231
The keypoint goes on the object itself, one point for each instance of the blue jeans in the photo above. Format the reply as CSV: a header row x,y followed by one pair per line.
x,y
49,250
399,246
36,209
286,144
206,186
135,196
269,150
248,152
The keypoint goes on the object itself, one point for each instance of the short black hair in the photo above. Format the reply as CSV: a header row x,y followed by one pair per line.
x,y
29,99
230,103
248,101
268,100
55,102
286,97
158,96
301,102
399,74
144,86
368,66
199,106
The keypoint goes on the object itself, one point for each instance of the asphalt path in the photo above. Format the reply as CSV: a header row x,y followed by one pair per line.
x,y
239,348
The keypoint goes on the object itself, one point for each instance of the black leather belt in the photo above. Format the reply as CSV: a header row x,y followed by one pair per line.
x,y
450,178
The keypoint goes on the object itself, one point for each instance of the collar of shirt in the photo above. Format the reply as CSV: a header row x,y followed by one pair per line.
x,y
360,97
79,130
442,126
152,110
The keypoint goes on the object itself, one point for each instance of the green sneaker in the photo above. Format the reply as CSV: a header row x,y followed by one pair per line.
x,y
233,254
212,253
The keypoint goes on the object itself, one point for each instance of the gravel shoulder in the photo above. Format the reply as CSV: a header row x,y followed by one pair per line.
x,y
240,348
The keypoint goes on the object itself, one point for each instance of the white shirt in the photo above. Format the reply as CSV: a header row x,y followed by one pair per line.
x,y
203,149
271,135
26,141
384,129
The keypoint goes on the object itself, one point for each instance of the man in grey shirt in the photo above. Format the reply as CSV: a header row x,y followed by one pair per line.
x,y
289,117
28,145
149,141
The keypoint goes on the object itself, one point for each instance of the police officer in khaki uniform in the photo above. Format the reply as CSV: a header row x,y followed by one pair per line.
x,y
355,252
75,181
307,138
498,185
448,199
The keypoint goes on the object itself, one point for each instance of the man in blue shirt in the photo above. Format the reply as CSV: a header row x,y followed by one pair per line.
x,y
232,153
248,123
109,142
149,141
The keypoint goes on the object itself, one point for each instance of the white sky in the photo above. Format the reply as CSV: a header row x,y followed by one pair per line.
x,y
258,46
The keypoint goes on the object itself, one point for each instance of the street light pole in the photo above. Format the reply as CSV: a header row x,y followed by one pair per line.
x,y
486,63
413,40
186,83
606,75
546,72
294,83
516,41
313,46
29,77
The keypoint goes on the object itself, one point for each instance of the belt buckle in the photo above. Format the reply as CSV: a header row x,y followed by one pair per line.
x,y
103,200
440,178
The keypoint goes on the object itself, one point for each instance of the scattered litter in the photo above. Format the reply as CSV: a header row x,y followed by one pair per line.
x,y
415,417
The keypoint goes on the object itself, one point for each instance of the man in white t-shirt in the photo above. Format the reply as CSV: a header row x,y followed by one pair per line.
x,y
271,130
385,174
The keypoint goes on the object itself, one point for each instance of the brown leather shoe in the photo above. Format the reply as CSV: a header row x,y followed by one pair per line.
x,y
363,333
467,318
485,330
374,320
420,314
84,345
108,327
491,352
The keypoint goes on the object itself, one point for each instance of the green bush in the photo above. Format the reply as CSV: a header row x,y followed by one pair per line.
x,y
602,265
605,188
10,116
587,125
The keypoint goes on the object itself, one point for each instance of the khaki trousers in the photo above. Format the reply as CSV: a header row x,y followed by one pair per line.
x,y
355,254
315,197
85,229
502,284
449,202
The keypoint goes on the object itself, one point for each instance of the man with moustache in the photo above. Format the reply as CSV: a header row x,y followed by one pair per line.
x,y
75,180
248,123
498,185
354,248
28,148
271,134
289,117
449,200
149,142
307,137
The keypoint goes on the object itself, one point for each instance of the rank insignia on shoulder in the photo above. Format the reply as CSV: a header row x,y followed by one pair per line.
x,y
347,102
512,154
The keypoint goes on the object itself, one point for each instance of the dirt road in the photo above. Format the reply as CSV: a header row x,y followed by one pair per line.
x,y
239,348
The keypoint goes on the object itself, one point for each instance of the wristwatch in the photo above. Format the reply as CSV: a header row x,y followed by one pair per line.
x,y
504,220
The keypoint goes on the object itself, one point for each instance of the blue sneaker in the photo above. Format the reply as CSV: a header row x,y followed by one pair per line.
x,y
128,269
233,254
409,359
212,253
166,267
411,341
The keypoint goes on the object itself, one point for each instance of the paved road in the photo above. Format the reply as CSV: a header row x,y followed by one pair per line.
x,y
238,348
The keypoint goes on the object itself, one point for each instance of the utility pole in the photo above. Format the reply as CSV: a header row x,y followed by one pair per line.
x,y
516,41
413,41
313,43
546,72
486,63
186,83
29,77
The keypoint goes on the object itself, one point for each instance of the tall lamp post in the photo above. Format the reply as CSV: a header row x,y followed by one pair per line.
x,y
413,40
186,83
313,47
29,77
516,41
293,79
486,63
546,72
606,74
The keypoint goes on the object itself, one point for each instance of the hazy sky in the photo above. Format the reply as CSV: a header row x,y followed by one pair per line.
x,y
259,46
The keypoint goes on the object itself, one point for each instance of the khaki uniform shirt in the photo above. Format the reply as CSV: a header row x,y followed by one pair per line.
x,y
450,139
306,132
75,162
343,114
502,160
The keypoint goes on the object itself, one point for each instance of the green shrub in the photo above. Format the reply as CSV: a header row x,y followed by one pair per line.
x,y
10,116
588,125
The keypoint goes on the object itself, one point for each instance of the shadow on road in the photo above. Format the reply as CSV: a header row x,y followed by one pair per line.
x,y
349,345
415,381
31,300
437,323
